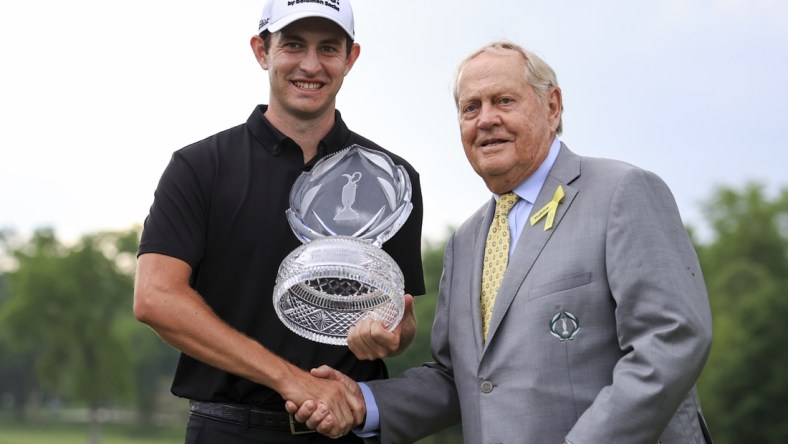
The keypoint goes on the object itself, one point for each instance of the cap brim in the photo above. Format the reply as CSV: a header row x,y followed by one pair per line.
x,y
281,23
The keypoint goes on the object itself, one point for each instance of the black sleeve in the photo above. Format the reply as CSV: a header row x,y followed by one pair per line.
x,y
177,221
405,245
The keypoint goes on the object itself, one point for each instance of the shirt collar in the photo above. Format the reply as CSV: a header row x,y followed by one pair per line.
x,y
275,141
529,189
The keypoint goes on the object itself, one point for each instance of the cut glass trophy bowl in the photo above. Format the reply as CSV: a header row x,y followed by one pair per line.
x,y
343,210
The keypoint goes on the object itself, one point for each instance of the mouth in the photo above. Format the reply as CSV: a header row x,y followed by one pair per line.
x,y
491,142
308,86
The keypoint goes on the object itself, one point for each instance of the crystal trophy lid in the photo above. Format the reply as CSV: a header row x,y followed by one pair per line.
x,y
343,210
356,192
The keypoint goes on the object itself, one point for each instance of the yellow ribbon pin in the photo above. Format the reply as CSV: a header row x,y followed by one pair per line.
x,y
549,210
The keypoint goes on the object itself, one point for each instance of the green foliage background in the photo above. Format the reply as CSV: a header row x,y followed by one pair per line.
x,y
744,386
69,342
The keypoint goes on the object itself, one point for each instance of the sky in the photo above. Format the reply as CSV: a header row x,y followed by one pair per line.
x,y
96,95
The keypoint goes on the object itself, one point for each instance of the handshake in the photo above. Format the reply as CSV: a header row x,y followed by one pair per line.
x,y
332,417
330,402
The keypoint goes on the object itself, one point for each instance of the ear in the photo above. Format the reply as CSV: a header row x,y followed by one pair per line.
x,y
258,48
355,51
555,105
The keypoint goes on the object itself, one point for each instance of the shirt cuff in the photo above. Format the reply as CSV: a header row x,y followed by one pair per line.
x,y
371,425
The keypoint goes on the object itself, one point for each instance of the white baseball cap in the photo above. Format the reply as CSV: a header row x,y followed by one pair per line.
x,y
279,13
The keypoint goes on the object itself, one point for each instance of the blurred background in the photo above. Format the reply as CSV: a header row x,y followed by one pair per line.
x,y
76,367
95,96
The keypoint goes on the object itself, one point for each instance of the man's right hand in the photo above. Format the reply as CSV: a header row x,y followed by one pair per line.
x,y
323,416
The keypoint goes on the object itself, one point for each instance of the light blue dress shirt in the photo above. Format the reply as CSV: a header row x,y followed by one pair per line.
x,y
528,191
518,217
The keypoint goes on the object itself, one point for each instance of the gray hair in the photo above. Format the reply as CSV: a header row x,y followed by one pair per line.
x,y
537,72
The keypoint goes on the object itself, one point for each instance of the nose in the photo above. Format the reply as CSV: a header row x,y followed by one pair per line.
x,y
488,117
310,63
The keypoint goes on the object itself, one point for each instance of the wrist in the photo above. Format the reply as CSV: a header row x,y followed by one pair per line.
x,y
285,379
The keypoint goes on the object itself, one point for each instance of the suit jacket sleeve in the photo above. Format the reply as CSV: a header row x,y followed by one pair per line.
x,y
663,321
422,400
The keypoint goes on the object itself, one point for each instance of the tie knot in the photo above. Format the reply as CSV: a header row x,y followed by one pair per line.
x,y
505,203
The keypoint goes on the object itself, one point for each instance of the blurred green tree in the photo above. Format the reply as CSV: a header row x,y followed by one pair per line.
x,y
70,306
744,386
424,309
153,364
19,389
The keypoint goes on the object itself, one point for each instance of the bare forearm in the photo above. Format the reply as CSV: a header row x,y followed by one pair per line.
x,y
164,301
191,327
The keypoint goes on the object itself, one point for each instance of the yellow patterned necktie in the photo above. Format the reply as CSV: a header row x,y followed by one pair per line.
x,y
496,257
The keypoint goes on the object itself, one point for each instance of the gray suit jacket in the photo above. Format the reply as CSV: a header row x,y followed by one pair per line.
x,y
599,331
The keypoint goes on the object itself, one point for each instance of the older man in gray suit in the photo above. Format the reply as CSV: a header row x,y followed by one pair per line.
x,y
600,325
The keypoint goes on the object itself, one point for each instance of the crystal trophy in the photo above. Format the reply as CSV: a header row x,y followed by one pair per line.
x,y
343,210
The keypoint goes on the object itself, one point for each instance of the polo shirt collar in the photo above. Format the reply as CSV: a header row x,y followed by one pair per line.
x,y
275,141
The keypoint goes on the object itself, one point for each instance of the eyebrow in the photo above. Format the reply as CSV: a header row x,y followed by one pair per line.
x,y
495,92
297,37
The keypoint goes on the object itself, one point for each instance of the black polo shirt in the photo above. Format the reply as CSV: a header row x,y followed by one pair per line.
x,y
220,206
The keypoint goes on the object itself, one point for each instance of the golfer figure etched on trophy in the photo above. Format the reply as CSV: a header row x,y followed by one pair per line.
x,y
343,210
349,197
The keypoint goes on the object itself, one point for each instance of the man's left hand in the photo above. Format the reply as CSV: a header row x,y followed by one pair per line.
x,y
369,339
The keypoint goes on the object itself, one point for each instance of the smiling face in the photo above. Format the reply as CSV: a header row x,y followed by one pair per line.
x,y
506,129
306,62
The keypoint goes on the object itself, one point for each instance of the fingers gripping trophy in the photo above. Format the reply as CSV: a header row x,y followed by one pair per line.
x,y
343,210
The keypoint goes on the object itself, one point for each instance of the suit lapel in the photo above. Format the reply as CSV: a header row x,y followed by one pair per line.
x,y
534,237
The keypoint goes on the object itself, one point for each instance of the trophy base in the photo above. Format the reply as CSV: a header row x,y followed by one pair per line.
x,y
326,286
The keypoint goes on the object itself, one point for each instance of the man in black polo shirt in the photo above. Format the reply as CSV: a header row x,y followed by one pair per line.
x,y
217,232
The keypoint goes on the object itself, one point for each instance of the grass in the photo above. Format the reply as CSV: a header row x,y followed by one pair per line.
x,y
63,433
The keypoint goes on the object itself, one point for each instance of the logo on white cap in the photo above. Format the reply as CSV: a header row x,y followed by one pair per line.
x,y
279,13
